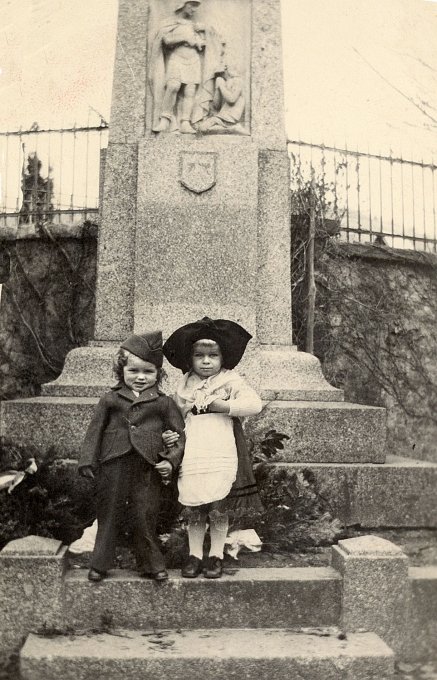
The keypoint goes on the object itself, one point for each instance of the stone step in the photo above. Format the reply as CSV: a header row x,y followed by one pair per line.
x,y
318,431
400,493
210,654
249,598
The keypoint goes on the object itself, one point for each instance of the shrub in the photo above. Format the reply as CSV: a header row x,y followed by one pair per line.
x,y
54,502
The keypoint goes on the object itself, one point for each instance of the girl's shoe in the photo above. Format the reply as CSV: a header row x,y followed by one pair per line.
x,y
192,568
214,567
94,575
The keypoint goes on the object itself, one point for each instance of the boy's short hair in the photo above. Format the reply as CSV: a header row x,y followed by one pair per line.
x,y
120,362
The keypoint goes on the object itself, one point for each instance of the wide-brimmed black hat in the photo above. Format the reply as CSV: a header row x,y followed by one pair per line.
x,y
230,336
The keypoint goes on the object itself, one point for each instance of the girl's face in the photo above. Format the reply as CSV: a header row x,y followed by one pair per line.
x,y
207,358
138,375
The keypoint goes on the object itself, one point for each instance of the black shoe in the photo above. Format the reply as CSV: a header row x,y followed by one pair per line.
x,y
192,568
214,567
96,576
160,575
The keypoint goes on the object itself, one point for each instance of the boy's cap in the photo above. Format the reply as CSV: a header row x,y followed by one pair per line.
x,y
230,337
147,347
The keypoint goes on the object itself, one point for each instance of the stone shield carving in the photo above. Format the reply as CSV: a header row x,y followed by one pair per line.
x,y
198,171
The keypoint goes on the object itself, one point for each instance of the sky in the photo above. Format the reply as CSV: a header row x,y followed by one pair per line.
x,y
361,72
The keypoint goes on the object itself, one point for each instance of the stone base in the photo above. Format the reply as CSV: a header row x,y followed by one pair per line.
x,y
318,431
278,372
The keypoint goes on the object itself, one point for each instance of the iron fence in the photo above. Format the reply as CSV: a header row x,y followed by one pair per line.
x,y
50,175
54,175
386,200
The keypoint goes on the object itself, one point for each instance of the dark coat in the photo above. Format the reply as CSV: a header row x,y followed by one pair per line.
x,y
123,422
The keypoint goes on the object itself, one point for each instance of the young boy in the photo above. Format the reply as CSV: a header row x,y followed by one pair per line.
x,y
123,448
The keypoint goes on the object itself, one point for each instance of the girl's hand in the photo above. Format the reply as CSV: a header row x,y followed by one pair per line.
x,y
219,406
169,438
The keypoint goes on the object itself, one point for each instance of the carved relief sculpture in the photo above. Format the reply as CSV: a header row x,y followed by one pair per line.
x,y
193,89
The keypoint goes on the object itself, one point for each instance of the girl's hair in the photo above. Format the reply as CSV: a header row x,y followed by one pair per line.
x,y
206,341
121,361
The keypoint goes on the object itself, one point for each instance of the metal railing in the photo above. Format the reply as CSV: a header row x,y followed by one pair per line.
x,y
54,175
385,200
50,175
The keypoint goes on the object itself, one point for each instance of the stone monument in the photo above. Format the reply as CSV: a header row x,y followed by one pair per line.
x,y
195,221
195,215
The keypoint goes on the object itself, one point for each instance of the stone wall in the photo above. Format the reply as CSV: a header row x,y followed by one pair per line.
x,y
47,304
376,334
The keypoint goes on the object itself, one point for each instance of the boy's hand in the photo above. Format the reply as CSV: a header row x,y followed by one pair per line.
x,y
169,438
87,472
165,469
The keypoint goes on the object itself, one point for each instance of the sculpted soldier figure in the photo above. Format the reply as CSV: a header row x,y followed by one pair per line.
x,y
176,70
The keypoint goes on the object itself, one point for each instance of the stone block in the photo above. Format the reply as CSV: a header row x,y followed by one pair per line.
x,y
400,493
422,615
31,588
251,598
208,654
375,588
324,432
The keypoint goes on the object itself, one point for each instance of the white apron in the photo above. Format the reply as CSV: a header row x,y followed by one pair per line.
x,y
209,466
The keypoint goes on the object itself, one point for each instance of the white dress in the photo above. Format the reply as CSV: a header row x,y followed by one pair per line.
x,y
209,465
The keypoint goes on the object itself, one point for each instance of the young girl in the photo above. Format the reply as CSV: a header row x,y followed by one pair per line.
x,y
215,476
123,448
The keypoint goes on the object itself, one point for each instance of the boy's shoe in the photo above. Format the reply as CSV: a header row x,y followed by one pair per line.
x,y
192,568
94,575
214,567
156,575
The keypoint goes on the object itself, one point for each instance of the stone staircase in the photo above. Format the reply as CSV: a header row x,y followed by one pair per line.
x,y
257,623
347,621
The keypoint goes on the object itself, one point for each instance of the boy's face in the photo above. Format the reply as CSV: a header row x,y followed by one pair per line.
x,y
138,375
207,358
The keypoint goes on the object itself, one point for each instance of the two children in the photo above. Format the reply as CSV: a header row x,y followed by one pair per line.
x,y
124,444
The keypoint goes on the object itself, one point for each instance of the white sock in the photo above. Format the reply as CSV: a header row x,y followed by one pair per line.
x,y
218,529
196,534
